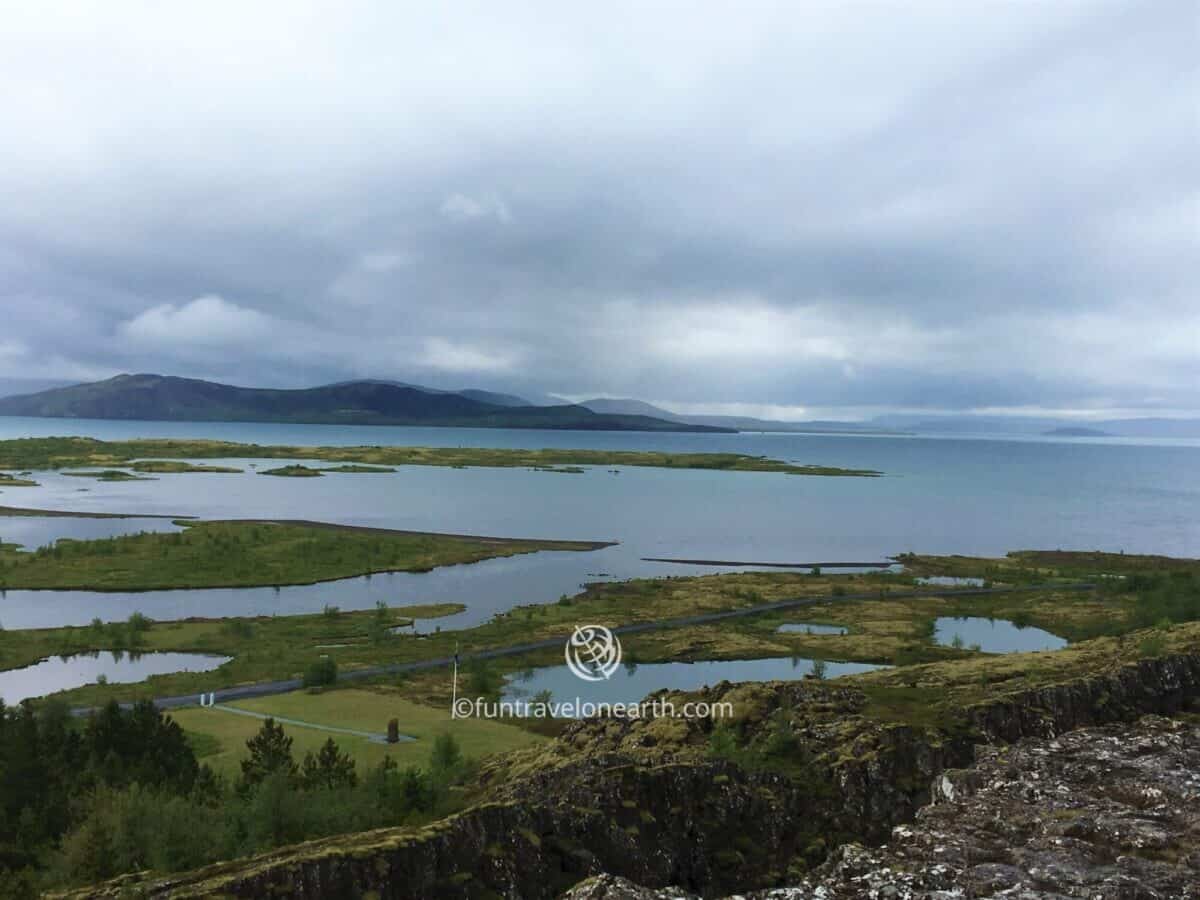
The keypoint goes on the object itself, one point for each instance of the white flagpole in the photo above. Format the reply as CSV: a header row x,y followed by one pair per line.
x,y
454,688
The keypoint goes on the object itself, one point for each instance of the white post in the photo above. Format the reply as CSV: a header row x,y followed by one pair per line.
x,y
454,686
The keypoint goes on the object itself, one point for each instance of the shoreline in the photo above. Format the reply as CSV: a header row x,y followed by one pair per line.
x,y
769,565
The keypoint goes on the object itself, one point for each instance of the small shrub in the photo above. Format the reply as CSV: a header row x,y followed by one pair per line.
x,y
320,673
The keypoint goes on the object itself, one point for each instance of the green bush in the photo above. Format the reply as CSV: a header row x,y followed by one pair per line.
x,y
320,673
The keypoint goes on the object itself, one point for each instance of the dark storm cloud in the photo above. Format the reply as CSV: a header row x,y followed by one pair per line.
x,y
851,206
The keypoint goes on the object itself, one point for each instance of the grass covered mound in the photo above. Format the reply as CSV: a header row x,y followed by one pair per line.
x,y
293,472
177,465
9,480
302,471
247,554
109,475
58,452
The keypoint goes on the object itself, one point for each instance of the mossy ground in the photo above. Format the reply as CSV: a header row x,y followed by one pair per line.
x,y
294,471
246,554
59,452
179,466
108,475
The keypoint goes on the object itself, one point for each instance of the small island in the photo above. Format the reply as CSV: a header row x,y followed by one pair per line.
x,y
1077,431
177,466
297,471
109,475
8,480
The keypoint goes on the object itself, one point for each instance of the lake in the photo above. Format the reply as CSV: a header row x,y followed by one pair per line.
x,y
939,495
60,673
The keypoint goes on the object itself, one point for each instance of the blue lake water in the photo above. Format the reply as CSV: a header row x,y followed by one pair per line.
x,y
939,495
629,684
994,635
60,673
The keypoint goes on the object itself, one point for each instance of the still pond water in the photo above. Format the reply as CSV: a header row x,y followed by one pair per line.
x,y
994,635
60,673
629,684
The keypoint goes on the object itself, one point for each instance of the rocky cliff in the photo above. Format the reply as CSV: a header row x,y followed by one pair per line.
x,y
1103,813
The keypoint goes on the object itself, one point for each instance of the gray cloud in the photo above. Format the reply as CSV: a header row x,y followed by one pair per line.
x,y
836,208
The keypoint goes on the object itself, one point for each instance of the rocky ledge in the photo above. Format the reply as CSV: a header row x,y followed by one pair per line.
x,y
1103,813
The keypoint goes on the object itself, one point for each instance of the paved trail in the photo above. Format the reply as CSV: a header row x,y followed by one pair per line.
x,y
267,688
300,723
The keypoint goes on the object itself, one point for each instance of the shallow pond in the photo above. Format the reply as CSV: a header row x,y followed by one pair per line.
x,y
994,635
60,673
809,628
951,581
631,683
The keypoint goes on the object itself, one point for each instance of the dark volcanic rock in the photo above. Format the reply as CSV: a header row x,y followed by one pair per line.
x,y
1102,813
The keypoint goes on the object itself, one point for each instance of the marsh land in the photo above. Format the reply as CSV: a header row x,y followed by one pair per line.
x,y
57,453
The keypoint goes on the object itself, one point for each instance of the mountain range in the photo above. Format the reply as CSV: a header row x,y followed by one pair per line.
x,y
738,423
387,402
169,398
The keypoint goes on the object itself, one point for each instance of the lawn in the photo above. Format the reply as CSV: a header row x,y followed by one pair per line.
x,y
222,735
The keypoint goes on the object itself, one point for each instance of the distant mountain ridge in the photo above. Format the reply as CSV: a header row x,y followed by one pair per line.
x,y
968,423
627,406
390,402
369,402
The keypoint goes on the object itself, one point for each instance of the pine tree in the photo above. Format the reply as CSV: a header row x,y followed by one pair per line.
x,y
270,752
330,768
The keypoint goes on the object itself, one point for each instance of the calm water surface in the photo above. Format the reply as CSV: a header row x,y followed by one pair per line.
x,y
630,684
939,495
60,673
995,635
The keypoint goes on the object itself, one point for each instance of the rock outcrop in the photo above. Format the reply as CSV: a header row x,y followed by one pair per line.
x,y
1102,813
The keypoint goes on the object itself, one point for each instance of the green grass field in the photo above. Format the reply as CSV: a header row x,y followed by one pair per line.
x,y
247,554
219,737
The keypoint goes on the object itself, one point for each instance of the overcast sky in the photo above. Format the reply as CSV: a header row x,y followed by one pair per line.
x,y
795,208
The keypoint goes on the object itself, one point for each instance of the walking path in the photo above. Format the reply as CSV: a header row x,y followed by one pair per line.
x,y
300,723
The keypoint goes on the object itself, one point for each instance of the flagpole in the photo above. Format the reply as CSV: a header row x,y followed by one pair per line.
x,y
454,688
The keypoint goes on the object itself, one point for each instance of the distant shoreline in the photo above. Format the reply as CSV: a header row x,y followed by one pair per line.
x,y
772,565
